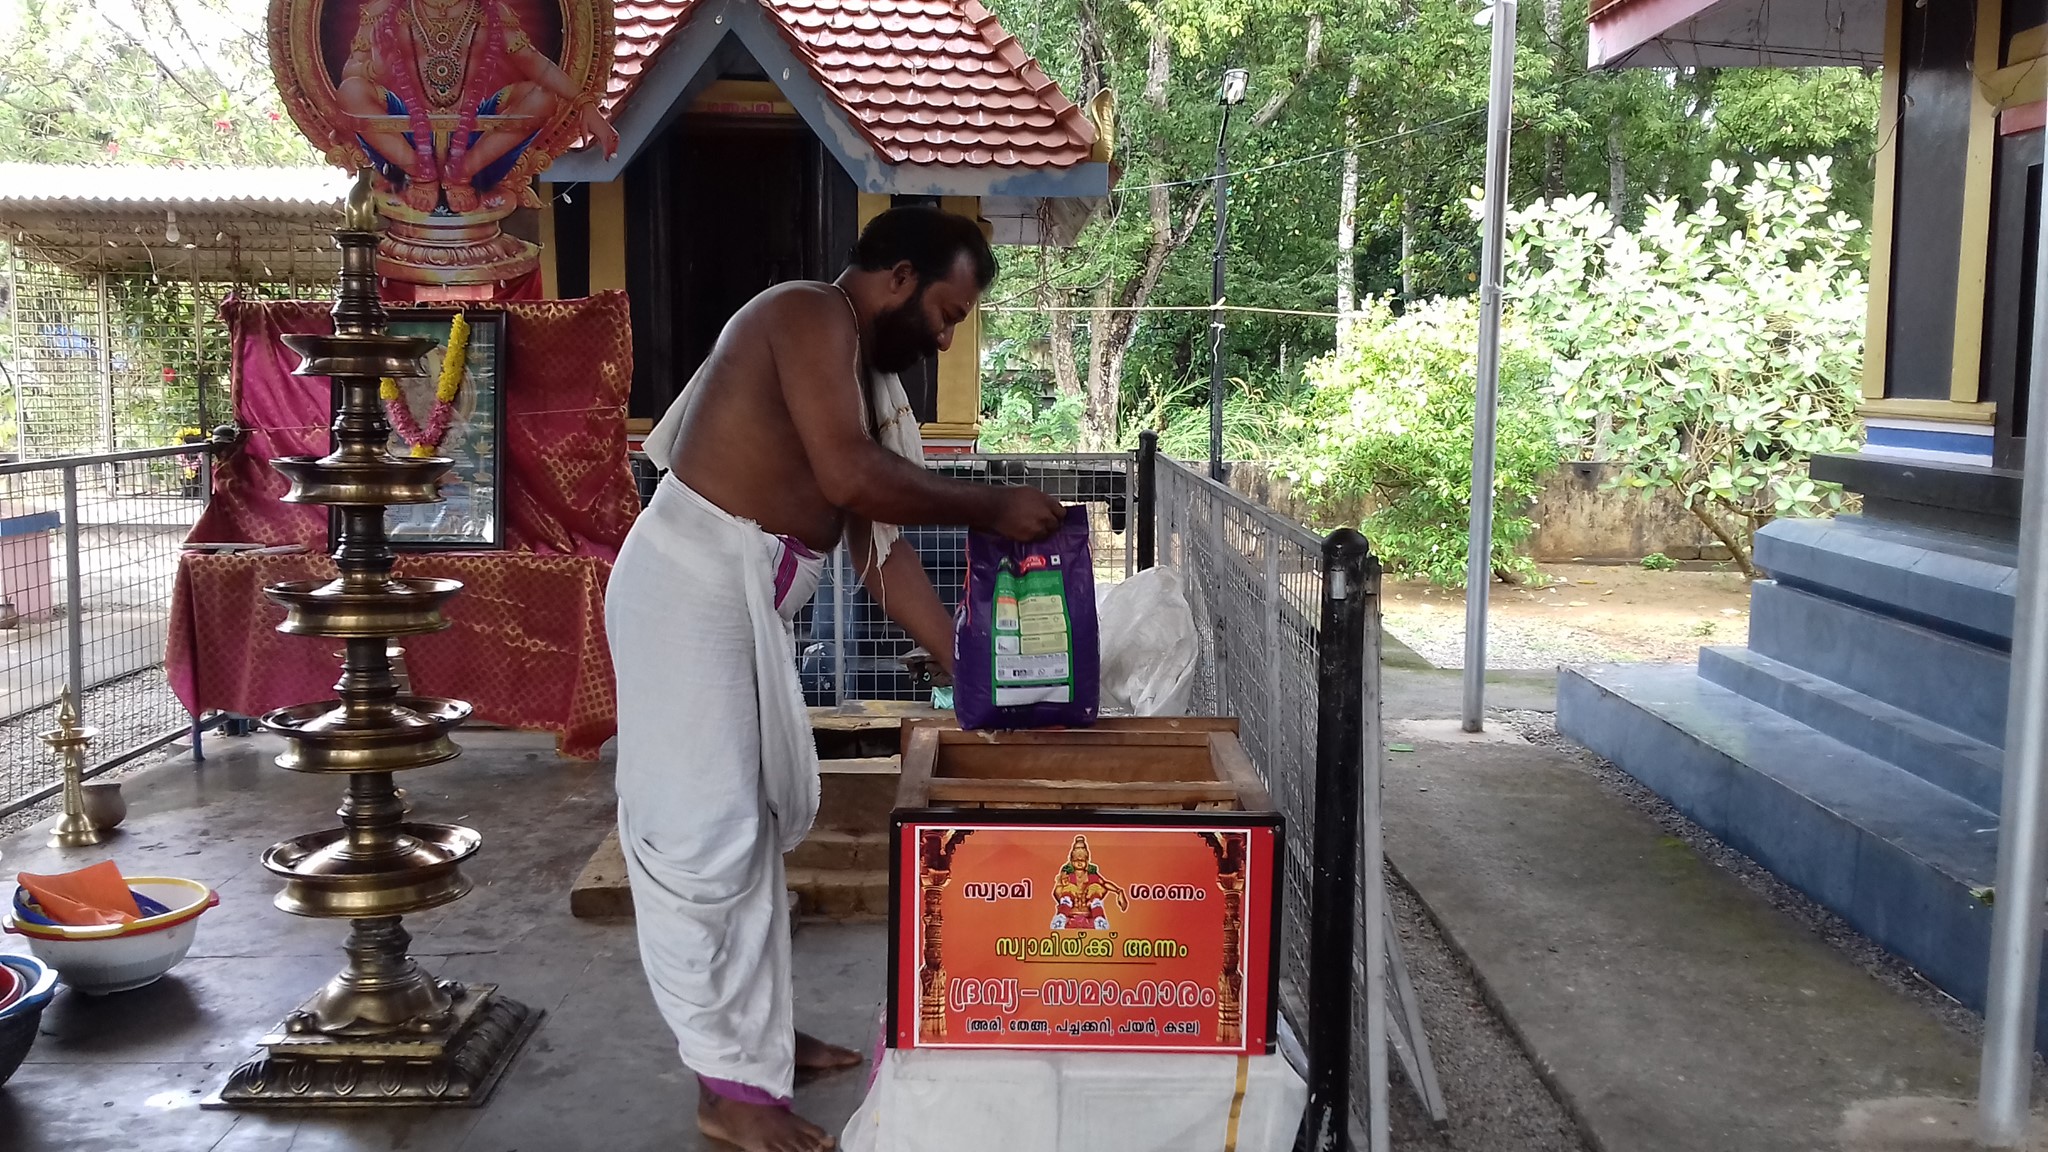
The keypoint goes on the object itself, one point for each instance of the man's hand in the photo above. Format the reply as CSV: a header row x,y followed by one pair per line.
x,y
1027,514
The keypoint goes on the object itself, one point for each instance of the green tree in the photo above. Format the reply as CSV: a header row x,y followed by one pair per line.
x,y
1404,83
1385,437
141,81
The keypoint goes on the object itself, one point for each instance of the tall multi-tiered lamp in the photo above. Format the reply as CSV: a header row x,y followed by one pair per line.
x,y
383,1031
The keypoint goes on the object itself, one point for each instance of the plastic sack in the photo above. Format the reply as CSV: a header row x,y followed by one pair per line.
x,y
1149,646
1025,649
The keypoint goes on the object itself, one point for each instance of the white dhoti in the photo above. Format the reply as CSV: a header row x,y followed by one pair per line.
x,y
717,776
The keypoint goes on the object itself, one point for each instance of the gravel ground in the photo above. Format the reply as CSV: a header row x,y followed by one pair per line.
x,y
1576,614
1511,645
1496,1101
1882,966
169,714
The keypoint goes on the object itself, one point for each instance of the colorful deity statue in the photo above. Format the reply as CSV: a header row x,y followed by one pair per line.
x,y
457,105
1080,890
418,59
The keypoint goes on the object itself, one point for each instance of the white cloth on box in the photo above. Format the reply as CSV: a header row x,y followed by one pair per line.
x,y
944,1101
890,418
717,773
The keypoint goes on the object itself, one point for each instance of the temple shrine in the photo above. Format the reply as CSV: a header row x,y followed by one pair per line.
x,y
756,138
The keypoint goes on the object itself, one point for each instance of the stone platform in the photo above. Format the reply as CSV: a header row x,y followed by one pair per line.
x,y
1854,747
125,1073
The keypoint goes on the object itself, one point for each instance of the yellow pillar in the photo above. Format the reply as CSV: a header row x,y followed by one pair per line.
x,y
1883,212
550,272
870,205
959,406
607,236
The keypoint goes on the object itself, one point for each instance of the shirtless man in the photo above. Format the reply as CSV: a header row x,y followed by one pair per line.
x,y
774,461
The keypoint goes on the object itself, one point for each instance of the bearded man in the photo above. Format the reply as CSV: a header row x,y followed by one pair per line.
x,y
794,437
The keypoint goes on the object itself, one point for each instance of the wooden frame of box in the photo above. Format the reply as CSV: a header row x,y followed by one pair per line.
x,y
1113,888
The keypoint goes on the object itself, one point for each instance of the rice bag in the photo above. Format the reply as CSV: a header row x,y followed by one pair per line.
x,y
1025,645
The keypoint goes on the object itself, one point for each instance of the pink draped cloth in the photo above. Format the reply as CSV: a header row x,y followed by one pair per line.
x,y
526,646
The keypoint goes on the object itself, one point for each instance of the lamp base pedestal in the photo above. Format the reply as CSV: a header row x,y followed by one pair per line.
x,y
456,1065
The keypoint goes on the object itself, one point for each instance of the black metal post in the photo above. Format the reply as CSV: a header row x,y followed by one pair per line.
x,y
1333,891
1216,298
1148,499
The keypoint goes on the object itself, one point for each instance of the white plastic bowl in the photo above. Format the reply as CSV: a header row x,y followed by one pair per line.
x,y
105,958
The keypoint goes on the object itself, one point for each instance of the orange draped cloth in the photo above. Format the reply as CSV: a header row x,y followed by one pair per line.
x,y
526,645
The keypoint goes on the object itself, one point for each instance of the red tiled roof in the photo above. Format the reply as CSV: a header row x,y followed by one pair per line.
x,y
927,81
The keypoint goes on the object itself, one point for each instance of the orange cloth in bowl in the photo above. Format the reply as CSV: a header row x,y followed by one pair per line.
x,y
92,895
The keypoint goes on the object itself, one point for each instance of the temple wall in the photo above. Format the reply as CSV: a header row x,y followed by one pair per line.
x,y
1959,129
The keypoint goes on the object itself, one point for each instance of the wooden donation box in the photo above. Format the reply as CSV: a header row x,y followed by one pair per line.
x,y
1115,888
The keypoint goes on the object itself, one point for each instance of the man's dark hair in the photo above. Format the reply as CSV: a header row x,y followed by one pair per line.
x,y
931,239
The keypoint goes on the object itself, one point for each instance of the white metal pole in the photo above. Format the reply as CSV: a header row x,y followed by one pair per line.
x,y
2007,1076
1479,544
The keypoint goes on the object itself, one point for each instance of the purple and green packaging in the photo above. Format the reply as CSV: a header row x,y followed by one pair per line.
x,y
1025,647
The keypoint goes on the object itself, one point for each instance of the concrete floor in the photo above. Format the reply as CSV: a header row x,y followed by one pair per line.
x,y
126,1072
1671,1006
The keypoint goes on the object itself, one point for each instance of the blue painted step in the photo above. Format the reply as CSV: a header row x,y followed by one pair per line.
x,y
1950,681
1939,755
1955,584
1895,856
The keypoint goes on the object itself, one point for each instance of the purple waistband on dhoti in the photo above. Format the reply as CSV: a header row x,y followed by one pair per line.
x,y
742,1093
793,550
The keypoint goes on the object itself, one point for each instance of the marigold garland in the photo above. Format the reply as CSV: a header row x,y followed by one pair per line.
x,y
445,390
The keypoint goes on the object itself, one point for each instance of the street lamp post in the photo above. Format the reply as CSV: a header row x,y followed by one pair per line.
x,y
1486,396
1230,95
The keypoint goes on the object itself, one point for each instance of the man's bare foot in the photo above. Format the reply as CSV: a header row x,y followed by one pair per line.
x,y
814,1055
758,1127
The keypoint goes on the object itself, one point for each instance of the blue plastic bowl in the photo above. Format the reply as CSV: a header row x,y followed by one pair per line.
x,y
19,1020
26,908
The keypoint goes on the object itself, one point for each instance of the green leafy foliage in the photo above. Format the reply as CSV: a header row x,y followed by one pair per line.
x,y
141,81
1388,431
1405,81
1708,353
1659,562
1013,420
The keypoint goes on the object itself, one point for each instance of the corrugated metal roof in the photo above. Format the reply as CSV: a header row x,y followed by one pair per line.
x,y
111,187
926,81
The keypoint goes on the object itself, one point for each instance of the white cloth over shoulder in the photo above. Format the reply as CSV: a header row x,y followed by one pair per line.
x,y
717,774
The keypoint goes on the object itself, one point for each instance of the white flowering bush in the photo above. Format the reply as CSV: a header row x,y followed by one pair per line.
x,y
1706,353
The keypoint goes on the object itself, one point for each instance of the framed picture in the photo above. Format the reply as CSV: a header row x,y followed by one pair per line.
x,y
470,516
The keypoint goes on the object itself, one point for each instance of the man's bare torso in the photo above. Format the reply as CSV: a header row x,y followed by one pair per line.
x,y
738,447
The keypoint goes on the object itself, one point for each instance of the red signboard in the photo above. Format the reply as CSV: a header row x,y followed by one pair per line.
x,y
1112,936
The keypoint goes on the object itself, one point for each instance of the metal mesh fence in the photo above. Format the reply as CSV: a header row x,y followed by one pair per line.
x,y
89,549
109,361
851,651
1254,579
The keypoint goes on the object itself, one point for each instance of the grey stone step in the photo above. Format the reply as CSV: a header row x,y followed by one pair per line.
x,y
848,896
1953,682
1939,755
1895,856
